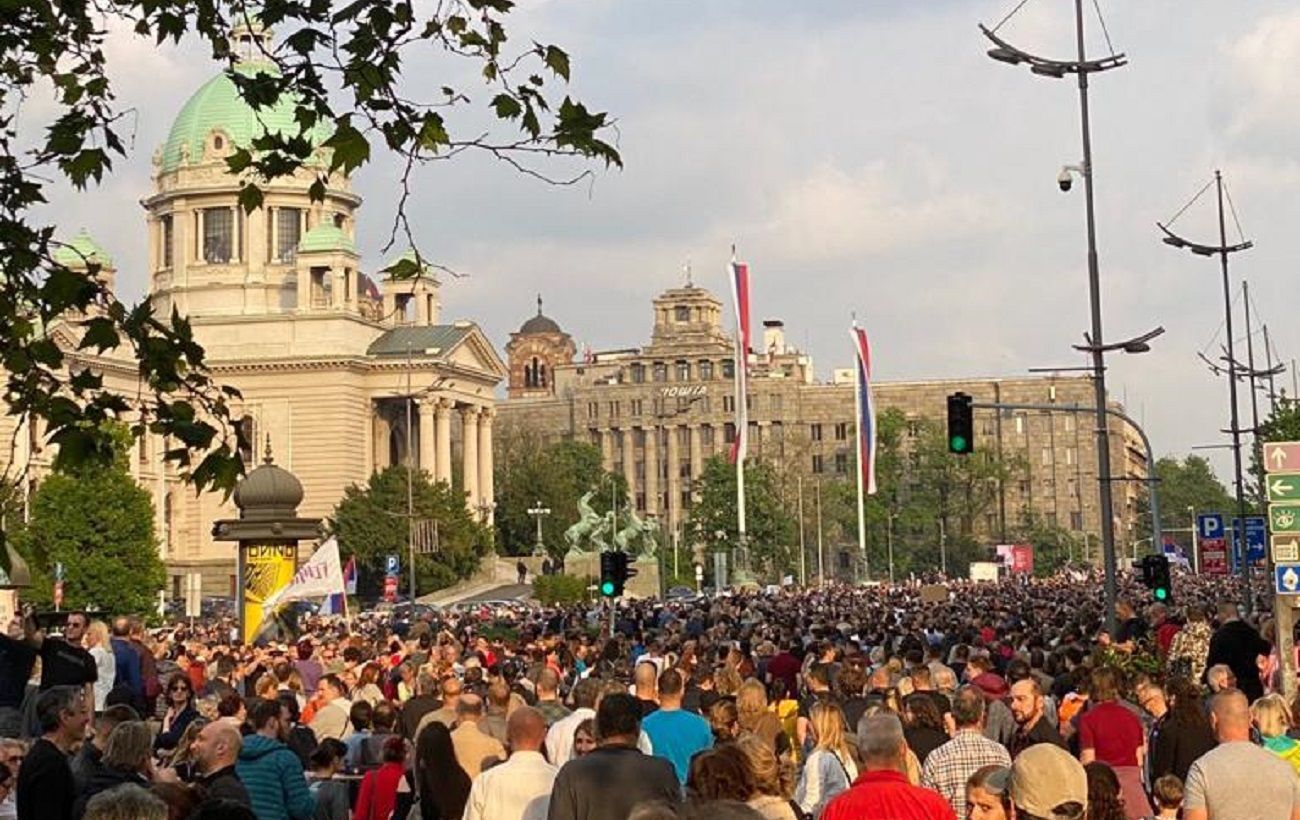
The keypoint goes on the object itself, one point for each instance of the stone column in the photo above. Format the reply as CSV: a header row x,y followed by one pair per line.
x,y
607,450
428,461
697,454
673,513
485,460
442,417
629,465
469,456
380,434
338,287
652,470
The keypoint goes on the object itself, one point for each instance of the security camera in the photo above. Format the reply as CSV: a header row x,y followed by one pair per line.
x,y
1065,179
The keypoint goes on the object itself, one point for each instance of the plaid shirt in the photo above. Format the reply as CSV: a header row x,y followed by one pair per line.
x,y
948,767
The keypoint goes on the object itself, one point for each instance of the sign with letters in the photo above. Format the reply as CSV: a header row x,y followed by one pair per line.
x,y
268,568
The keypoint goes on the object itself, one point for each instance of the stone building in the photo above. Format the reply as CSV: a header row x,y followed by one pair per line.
x,y
346,374
657,412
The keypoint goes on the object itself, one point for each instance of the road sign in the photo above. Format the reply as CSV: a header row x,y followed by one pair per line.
x,y
1284,517
392,565
1286,578
1256,539
1214,555
1209,525
390,588
1286,548
1283,487
1281,456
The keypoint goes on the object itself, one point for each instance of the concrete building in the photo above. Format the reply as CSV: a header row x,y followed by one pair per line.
x,y
658,411
331,363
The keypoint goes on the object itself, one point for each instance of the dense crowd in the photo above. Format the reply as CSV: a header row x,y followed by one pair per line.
x,y
1004,700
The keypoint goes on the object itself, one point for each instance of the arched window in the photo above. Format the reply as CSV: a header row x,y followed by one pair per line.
x,y
247,436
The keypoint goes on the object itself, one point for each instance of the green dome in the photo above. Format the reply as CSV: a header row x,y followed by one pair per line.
x,y
326,237
81,250
217,105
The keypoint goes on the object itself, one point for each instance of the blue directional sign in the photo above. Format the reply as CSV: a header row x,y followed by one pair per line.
x,y
1209,525
1256,539
1286,579
392,565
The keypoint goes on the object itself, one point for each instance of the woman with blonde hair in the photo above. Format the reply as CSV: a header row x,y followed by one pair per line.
x,y
755,719
105,665
128,758
830,768
1273,719
724,720
771,797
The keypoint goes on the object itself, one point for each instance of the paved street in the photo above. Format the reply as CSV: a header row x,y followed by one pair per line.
x,y
506,592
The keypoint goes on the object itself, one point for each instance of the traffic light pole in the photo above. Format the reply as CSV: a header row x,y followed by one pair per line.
x,y
1157,537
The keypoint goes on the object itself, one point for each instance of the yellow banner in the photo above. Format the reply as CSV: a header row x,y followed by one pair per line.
x,y
268,568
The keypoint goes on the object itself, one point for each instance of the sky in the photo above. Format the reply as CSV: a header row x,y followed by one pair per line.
x,y
866,157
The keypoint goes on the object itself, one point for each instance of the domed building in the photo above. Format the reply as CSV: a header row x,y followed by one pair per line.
x,y
331,362
534,353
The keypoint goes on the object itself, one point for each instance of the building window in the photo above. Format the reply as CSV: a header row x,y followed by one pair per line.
x,y
218,235
639,471
728,404
818,463
288,228
778,431
728,369
841,463
1047,456
658,405
841,431
246,436
613,409
638,373
815,432
143,443
706,435
1076,520
640,502
1071,456
728,433
636,407
1020,425
683,371
660,371
681,313
705,370
1051,519
1069,422
593,409
638,437
168,239
777,402
913,428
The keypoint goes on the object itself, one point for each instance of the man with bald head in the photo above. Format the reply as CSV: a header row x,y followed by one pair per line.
x,y
215,751
475,748
1238,780
520,787
446,713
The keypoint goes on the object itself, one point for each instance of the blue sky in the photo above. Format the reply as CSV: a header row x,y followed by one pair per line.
x,y
865,156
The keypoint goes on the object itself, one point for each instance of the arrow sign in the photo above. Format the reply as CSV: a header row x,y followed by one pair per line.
x,y
1286,548
1284,517
1284,487
1281,456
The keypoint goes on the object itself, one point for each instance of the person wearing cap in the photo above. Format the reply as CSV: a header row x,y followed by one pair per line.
x,y
948,767
881,791
1238,780
1047,783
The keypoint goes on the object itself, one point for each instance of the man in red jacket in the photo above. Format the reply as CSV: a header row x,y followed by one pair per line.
x,y
881,791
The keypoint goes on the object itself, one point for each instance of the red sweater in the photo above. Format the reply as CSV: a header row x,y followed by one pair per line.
x,y
379,792
886,795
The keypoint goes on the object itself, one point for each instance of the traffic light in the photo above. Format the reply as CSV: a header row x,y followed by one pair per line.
x,y
961,424
614,573
1156,577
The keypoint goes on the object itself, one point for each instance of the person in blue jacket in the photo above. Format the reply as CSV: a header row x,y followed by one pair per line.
x,y
270,770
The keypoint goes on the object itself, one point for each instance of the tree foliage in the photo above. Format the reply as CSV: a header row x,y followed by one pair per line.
x,y
530,469
344,66
370,523
95,520
770,529
1183,485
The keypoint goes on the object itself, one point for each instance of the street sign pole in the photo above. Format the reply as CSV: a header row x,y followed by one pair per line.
x,y
1282,481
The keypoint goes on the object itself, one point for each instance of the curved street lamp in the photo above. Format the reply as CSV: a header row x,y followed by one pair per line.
x,y
1081,67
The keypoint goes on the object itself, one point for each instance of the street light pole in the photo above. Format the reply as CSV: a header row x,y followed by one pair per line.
x,y
889,541
1005,52
943,548
1196,547
537,511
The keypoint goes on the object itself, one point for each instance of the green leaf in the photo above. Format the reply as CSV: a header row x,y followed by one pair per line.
x,y
250,197
350,149
557,61
506,106
100,333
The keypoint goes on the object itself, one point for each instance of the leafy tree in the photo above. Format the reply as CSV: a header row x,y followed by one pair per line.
x,y
529,469
769,528
95,520
1183,484
370,523
343,67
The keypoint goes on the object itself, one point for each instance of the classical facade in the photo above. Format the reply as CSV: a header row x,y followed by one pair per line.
x,y
345,374
658,411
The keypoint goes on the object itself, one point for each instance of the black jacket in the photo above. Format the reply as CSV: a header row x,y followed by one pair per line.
x,y
1237,644
607,783
101,780
1175,745
224,784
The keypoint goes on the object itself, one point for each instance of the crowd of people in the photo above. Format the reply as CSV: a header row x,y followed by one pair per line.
x,y
1004,700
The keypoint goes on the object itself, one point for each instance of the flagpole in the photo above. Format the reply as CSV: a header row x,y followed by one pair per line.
x,y
857,414
742,429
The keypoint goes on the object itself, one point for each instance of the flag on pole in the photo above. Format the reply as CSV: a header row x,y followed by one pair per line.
x,y
740,298
866,411
335,604
321,576
350,576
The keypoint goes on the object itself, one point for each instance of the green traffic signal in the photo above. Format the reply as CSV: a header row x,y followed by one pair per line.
x,y
957,444
607,588
1161,593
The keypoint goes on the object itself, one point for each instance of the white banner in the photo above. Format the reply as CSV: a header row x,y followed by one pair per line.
x,y
320,576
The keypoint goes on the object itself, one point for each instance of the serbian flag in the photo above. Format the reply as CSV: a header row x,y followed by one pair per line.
x,y
335,604
866,411
740,298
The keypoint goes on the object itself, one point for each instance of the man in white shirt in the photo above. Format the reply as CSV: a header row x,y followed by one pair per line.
x,y
559,740
520,788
